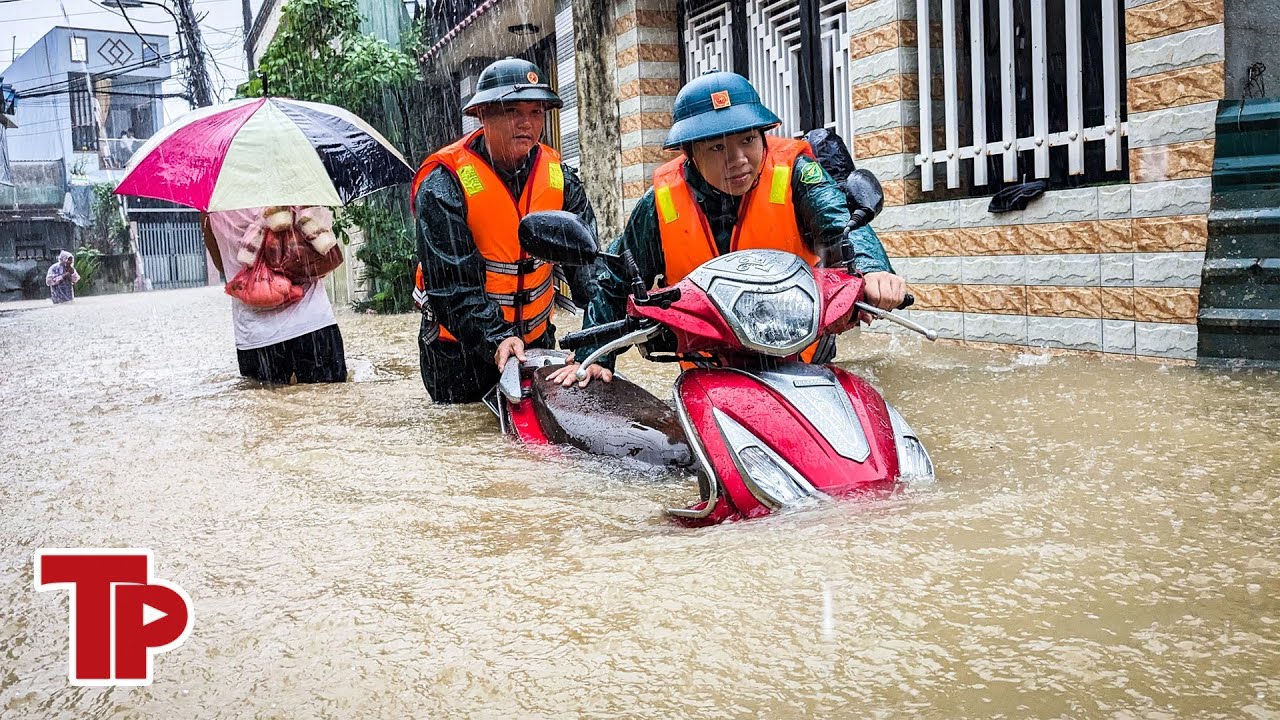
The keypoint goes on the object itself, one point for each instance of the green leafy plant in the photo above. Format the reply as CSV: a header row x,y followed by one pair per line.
x,y
110,232
388,253
87,261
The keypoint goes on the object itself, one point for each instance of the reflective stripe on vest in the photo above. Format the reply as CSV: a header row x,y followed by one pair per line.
x,y
493,215
766,215
419,289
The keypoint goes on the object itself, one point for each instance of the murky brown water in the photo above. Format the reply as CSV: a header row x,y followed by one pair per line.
x,y
1101,542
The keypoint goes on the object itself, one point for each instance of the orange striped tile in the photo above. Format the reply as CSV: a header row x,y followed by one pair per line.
x,y
1166,305
1187,86
1166,17
1187,233
1051,301
995,299
1117,303
1180,161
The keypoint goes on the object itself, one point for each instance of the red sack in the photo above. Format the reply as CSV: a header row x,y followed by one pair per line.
x,y
290,254
258,286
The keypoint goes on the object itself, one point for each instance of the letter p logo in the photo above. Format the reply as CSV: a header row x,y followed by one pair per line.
x,y
120,616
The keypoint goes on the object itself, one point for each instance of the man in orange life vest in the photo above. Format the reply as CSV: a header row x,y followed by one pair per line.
x,y
734,188
483,300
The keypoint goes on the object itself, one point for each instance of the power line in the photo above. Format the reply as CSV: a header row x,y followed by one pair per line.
x,y
100,76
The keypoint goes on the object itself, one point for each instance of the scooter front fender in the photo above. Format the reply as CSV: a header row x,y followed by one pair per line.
x,y
768,439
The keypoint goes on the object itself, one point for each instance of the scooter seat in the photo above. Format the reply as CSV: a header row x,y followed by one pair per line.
x,y
616,419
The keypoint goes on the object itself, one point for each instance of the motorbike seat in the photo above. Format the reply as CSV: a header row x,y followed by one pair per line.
x,y
616,419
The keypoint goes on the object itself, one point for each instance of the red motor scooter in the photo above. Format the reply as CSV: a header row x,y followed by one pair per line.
x,y
766,431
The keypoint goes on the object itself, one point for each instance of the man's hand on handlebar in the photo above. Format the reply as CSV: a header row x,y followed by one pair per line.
x,y
883,290
565,376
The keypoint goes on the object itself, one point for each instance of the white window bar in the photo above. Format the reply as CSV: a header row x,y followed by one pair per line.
x,y
1040,140
951,91
1008,93
774,55
837,105
1111,84
977,52
707,40
1075,76
926,157
1039,87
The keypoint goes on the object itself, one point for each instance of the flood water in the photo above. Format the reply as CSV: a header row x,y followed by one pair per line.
x,y
1101,541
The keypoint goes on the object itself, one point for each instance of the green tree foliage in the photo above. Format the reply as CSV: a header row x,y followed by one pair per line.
x,y
110,232
319,54
87,261
389,253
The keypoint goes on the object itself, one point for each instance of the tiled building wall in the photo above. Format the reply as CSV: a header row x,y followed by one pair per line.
x,y
648,78
1112,268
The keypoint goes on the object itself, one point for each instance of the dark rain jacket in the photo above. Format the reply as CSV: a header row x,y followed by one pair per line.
x,y
822,214
454,269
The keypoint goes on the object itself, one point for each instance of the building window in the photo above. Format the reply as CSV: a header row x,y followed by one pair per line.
x,y
29,250
84,132
79,49
796,53
1020,90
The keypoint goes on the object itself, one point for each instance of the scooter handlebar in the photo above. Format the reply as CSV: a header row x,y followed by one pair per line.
x,y
597,335
907,301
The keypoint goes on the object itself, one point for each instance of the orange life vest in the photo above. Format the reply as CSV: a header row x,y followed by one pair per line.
x,y
766,215
524,287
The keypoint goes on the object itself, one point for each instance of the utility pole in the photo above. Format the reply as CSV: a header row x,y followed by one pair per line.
x,y
201,88
248,26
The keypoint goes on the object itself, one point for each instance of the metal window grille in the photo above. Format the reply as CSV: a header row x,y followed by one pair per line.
x,y
1016,79
84,131
173,253
777,44
567,86
708,40
773,53
836,77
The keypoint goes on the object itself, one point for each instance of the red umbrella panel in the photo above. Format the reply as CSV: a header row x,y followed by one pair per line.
x,y
264,151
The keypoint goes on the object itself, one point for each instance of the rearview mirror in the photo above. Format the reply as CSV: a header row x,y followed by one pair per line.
x,y
864,192
557,236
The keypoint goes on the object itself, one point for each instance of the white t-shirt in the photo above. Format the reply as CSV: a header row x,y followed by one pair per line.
x,y
256,328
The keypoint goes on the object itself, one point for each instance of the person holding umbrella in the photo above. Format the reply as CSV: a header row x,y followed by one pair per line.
x,y
296,339
483,300
246,164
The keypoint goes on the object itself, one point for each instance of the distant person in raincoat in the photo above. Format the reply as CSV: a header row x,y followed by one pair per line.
x,y
733,188
62,278
483,300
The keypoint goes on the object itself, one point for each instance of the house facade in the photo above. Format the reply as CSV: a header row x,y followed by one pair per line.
x,y
83,100
87,97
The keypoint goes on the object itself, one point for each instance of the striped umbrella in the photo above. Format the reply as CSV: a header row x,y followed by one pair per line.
x,y
264,151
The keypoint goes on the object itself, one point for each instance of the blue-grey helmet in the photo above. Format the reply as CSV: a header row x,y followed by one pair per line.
x,y
714,105
511,80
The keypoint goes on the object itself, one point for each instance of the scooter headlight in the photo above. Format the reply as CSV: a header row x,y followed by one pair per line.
x,y
778,323
913,459
770,479
775,485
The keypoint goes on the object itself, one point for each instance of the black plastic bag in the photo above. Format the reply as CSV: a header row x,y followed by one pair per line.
x,y
833,155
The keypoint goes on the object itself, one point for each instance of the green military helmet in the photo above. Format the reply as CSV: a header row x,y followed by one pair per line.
x,y
714,105
511,80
